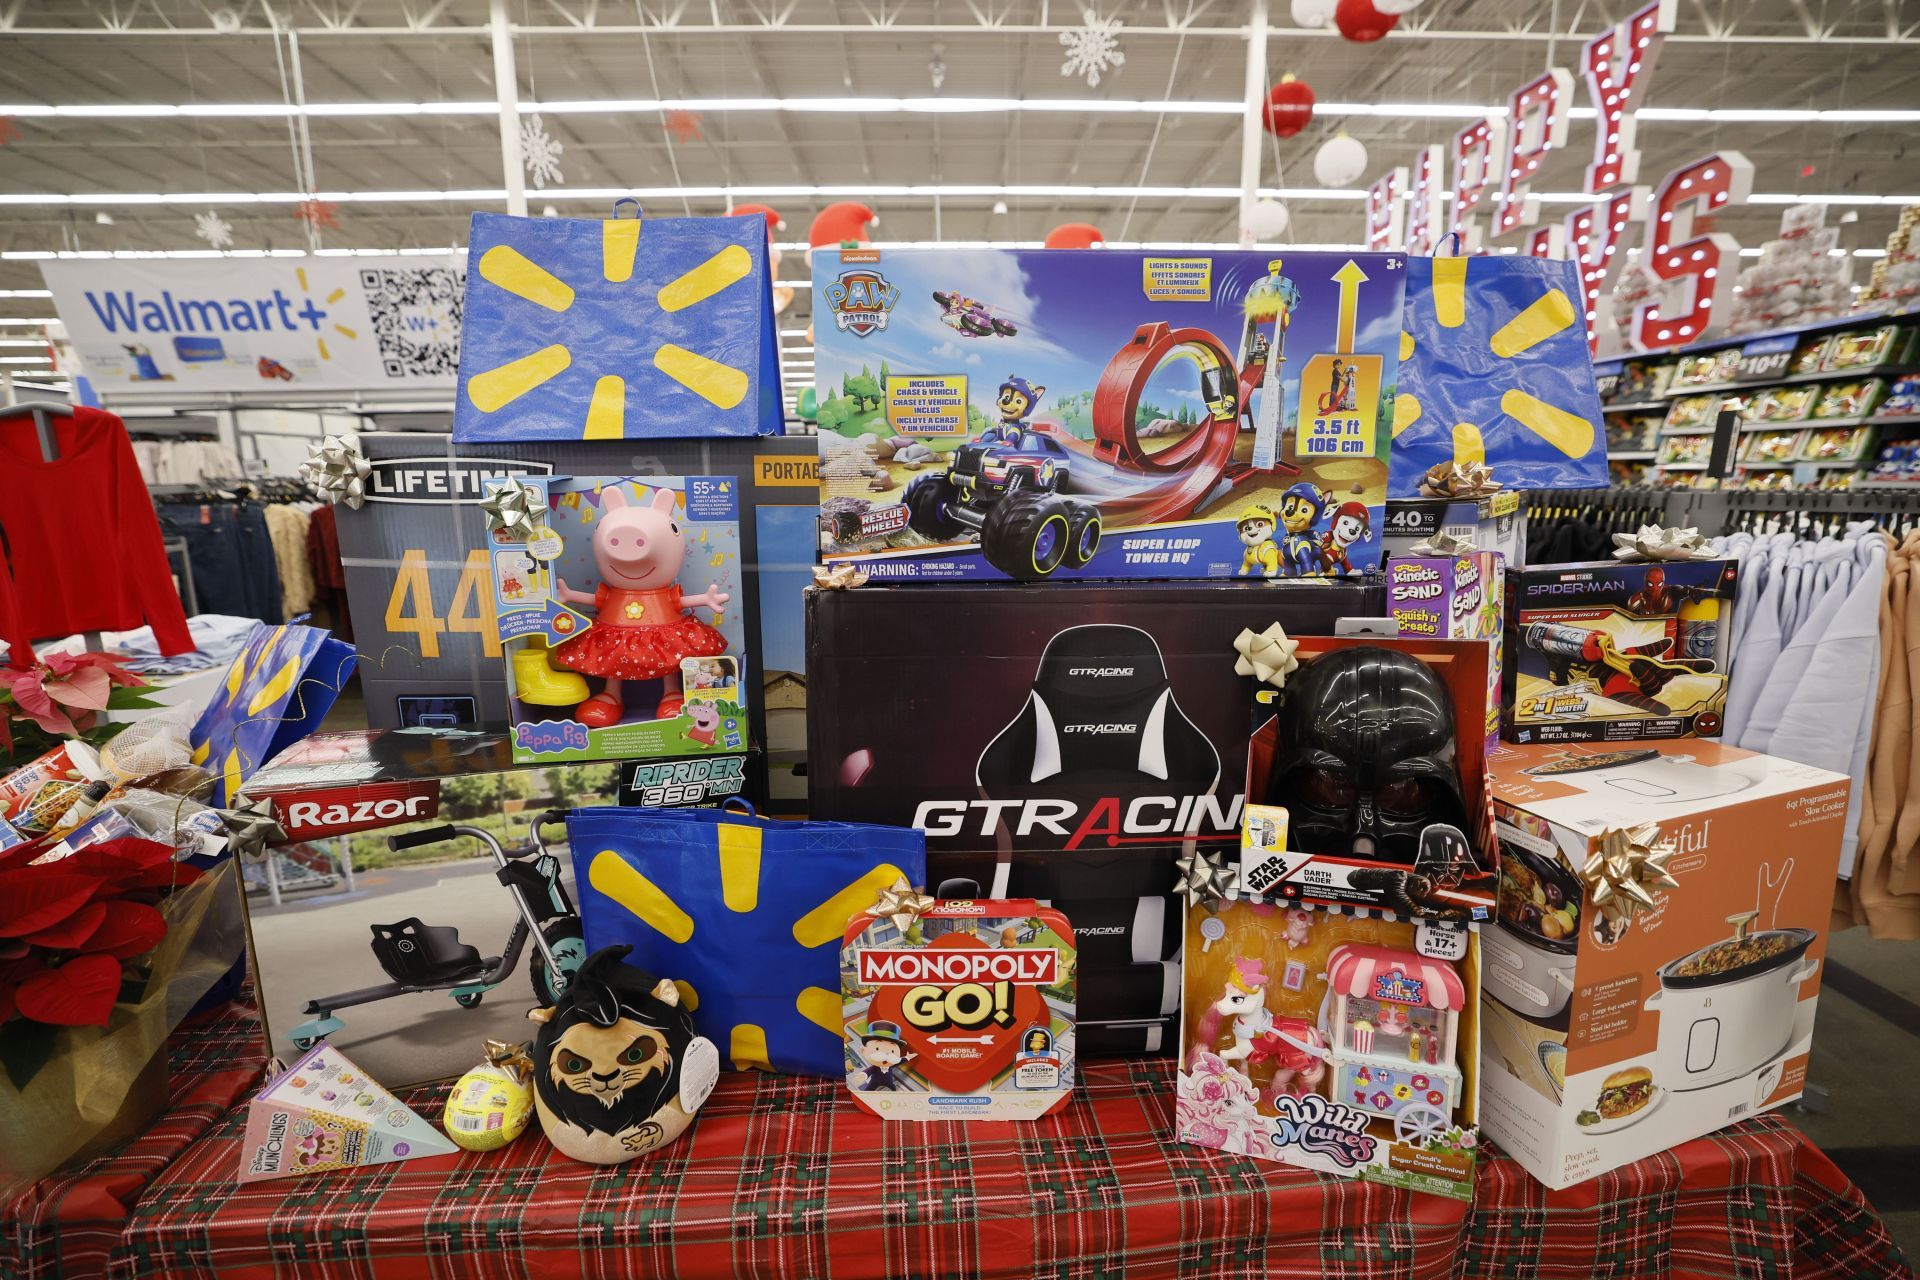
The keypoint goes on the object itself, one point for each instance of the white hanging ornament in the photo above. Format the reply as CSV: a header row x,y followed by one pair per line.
x,y
1396,8
1267,221
1313,14
1092,47
1340,161
539,152
214,229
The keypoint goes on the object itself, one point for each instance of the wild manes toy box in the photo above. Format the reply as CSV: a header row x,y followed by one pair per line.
x,y
1013,414
1336,1042
615,602
1612,1037
965,1014
1610,652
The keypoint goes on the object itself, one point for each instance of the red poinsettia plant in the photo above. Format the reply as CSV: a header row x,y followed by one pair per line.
x,y
68,928
62,695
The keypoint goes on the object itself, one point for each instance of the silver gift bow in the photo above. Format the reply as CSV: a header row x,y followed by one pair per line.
x,y
250,828
1458,480
1442,545
337,470
1205,879
509,509
1657,542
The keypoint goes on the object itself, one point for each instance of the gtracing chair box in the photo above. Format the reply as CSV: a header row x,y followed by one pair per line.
x,y
1061,743
1613,652
990,414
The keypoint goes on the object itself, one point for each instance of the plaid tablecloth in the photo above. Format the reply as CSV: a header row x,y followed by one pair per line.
x,y
71,1223
783,1177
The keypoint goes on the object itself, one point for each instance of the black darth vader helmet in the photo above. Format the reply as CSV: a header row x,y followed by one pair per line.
x,y
1365,759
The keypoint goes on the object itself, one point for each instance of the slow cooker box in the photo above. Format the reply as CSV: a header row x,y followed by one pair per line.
x,y
1621,1043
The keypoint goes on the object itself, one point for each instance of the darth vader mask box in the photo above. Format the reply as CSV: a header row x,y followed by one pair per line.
x,y
1366,779
1063,744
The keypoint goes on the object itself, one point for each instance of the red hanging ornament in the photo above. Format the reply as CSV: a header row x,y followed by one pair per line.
x,y
1361,23
684,125
9,130
317,213
1075,235
1289,107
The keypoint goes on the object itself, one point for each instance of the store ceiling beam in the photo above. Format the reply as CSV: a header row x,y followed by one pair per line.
x,y
1816,33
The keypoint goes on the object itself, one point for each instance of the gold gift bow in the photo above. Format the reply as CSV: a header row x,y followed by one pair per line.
x,y
1626,864
511,1058
1458,480
840,578
902,904
1268,656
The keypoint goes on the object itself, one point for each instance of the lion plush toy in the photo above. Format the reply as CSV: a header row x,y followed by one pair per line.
x,y
618,1069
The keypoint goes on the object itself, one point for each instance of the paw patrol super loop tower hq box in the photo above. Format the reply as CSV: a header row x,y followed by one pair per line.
x,y
1104,413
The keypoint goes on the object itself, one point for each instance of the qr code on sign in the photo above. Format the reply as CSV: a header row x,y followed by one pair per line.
x,y
416,319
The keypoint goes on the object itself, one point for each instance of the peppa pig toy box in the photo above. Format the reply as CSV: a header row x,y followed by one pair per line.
x,y
1047,415
617,600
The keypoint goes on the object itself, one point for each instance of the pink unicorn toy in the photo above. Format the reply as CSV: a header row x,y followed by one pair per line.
x,y
641,628
1294,1046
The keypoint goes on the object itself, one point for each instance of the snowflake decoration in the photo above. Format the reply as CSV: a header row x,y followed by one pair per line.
x,y
317,213
684,125
214,229
1092,47
540,153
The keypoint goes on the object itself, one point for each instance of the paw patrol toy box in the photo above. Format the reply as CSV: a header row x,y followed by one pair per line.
x,y
1105,414
962,1012
615,600
1611,652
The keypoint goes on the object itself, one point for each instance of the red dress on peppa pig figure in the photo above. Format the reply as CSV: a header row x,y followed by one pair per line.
x,y
641,628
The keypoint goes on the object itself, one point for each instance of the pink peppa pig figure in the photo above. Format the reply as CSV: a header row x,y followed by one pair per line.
x,y
641,628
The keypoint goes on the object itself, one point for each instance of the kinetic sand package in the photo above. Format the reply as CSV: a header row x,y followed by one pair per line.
x,y
1016,414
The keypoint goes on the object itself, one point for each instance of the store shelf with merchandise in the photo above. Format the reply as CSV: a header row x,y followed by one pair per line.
x,y
1845,390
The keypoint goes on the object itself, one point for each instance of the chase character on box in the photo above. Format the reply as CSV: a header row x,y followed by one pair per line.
x,y
641,628
882,1050
1016,402
1262,559
1351,525
1301,509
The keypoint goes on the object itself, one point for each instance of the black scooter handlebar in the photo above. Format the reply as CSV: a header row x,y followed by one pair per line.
x,y
426,835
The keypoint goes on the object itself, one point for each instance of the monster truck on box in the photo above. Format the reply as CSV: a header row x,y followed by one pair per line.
x,y
1006,488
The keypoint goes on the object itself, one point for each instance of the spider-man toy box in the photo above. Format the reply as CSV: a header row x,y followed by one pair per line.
x,y
1611,652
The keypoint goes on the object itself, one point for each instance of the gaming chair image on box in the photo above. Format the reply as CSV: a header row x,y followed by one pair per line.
x,y
1101,720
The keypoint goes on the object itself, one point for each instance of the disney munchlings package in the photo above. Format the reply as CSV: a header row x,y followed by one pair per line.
x,y
323,1113
965,1013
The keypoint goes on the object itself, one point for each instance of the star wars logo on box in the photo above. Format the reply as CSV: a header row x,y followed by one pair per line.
x,y
1065,747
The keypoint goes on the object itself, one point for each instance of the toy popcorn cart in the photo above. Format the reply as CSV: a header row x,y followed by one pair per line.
x,y
1395,1026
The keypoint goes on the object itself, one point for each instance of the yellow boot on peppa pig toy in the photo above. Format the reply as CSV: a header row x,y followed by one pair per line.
x,y
539,682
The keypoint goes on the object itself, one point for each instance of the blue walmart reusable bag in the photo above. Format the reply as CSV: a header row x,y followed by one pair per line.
x,y
1494,368
277,691
623,328
747,911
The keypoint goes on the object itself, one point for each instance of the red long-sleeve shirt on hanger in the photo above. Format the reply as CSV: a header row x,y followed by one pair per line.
x,y
79,535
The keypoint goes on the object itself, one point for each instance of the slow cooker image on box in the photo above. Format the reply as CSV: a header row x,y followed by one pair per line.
x,y
1530,954
1726,1009
1642,775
